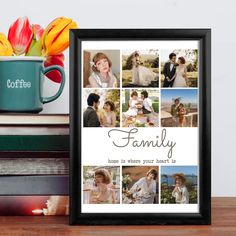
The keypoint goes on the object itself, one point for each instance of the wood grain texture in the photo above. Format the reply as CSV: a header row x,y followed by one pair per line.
x,y
223,223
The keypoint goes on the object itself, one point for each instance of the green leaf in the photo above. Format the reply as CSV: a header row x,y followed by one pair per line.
x,y
35,49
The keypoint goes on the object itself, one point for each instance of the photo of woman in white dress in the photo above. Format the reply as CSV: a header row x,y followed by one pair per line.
x,y
179,184
140,108
141,75
108,116
180,78
144,190
180,192
102,193
179,68
140,69
133,105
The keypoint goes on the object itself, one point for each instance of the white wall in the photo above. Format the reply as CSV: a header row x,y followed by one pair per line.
x,y
218,15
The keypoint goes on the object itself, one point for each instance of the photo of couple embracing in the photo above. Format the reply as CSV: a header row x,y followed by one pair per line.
x,y
179,68
179,108
101,108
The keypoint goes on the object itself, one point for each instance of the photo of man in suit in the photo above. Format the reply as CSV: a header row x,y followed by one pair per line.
x,y
90,114
169,70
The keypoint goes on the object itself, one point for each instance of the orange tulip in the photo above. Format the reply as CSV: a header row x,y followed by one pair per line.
x,y
5,46
55,38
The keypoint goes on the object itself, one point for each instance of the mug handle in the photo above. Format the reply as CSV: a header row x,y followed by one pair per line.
x,y
63,77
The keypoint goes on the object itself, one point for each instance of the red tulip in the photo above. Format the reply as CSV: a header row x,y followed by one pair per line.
x,y
54,60
20,35
35,48
38,30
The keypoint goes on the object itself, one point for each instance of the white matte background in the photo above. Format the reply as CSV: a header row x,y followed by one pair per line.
x,y
218,15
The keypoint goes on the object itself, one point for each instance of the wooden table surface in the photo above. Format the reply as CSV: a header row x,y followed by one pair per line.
x,y
223,223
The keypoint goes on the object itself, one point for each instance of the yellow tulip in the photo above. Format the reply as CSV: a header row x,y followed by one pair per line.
x,y
55,38
5,46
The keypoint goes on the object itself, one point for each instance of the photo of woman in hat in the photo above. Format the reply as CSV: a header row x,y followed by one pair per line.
x,y
180,192
102,193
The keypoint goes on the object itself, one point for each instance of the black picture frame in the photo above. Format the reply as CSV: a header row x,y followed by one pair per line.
x,y
204,216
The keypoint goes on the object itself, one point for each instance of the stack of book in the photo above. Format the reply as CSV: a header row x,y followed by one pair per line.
x,y
34,164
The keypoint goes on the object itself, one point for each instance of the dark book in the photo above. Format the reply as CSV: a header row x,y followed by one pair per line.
x,y
34,143
34,185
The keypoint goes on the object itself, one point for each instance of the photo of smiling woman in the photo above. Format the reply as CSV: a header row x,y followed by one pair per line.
x,y
101,185
179,185
101,69
140,185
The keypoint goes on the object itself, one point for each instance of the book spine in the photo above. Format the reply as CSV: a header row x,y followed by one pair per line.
x,y
34,143
34,166
34,185
34,130
34,154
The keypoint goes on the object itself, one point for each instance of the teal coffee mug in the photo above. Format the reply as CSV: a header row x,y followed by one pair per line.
x,y
21,84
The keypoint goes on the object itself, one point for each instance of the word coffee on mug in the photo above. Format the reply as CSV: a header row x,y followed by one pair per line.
x,y
18,84
22,84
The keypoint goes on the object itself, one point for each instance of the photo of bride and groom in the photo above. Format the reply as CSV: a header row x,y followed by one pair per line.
x,y
179,108
140,68
179,68
101,108
140,108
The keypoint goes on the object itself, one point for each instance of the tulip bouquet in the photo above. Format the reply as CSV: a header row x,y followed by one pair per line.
x,y
27,39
